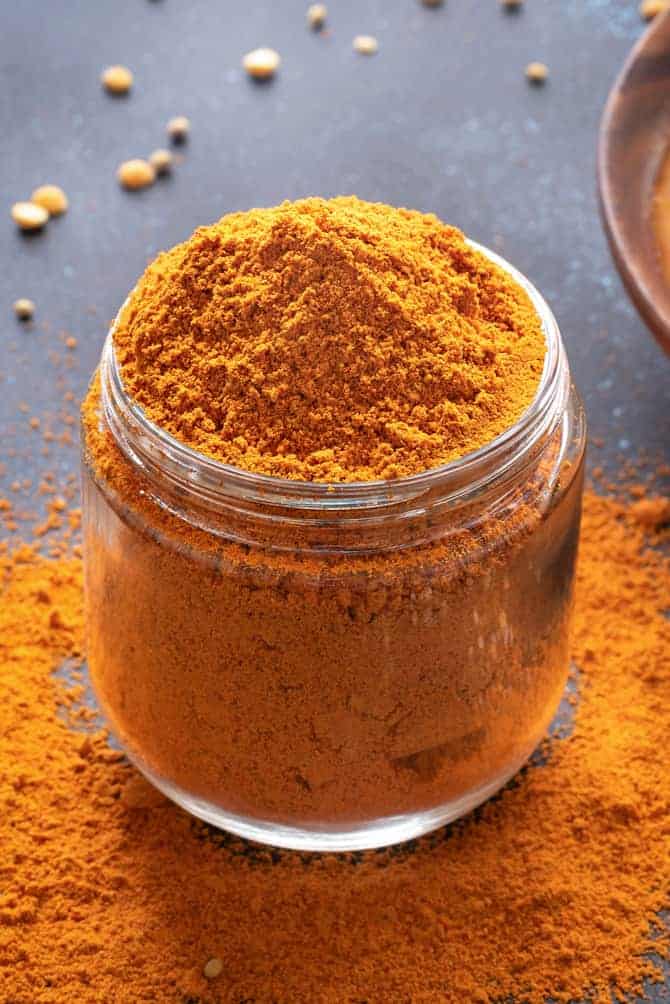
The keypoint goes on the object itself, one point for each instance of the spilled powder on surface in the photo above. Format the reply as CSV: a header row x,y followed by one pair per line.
x,y
110,893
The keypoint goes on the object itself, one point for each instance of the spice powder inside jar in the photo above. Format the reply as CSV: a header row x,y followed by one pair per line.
x,y
332,480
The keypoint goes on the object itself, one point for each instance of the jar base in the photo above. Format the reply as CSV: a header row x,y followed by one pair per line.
x,y
366,836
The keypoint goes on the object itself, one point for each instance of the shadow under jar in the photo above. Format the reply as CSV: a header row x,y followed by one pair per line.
x,y
331,667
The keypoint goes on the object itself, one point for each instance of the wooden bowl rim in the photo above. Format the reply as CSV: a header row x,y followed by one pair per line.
x,y
655,314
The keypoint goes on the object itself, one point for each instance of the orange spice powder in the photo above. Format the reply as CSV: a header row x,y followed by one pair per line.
x,y
307,689
266,674
110,893
330,340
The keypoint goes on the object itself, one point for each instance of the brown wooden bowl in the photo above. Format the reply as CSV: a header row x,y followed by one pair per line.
x,y
634,141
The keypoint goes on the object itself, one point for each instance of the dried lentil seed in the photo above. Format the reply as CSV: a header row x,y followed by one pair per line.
x,y
316,15
161,161
28,216
261,63
212,969
52,198
537,73
651,8
367,45
133,174
24,309
178,129
117,79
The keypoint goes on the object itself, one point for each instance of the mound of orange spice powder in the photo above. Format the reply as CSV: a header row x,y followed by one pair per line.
x,y
111,893
330,340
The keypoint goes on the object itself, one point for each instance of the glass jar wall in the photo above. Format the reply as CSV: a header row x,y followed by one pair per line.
x,y
330,667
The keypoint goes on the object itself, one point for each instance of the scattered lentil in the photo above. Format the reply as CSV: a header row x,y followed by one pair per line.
x,y
316,15
261,63
133,174
649,9
212,969
367,45
511,5
117,79
161,161
178,129
28,216
24,309
525,899
52,198
537,73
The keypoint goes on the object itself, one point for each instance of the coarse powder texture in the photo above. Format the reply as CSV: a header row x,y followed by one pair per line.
x,y
112,894
330,340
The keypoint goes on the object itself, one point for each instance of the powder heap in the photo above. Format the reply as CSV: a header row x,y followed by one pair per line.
x,y
111,893
330,341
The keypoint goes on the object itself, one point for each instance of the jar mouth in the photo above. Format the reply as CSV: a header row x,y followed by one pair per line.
x,y
152,448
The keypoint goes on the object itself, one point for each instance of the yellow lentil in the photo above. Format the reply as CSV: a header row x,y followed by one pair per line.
x,y
261,63
316,15
537,73
161,161
28,216
24,309
367,45
178,129
117,79
135,174
52,198
651,8
212,969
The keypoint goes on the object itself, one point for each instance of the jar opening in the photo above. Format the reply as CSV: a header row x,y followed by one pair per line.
x,y
159,454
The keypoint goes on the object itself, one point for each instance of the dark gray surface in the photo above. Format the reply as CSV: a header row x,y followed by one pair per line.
x,y
441,119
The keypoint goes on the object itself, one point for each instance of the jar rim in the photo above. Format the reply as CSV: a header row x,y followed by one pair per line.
x,y
147,444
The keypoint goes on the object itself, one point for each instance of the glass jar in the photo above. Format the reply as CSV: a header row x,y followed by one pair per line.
x,y
331,667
